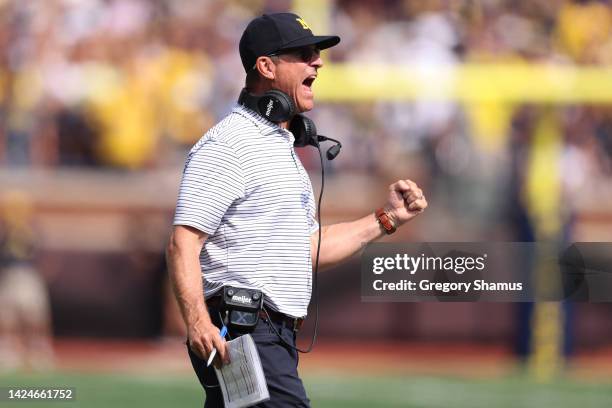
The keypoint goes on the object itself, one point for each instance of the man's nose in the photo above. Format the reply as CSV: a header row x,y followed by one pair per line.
x,y
317,62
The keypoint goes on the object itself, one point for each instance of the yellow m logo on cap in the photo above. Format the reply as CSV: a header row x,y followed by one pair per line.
x,y
303,23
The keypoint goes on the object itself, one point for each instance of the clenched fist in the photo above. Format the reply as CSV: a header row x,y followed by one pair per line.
x,y
406,201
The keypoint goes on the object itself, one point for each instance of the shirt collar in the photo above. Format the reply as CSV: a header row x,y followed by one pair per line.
x,y
265,126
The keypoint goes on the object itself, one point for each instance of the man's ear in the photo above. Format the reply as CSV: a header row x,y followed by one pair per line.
x,y
266,67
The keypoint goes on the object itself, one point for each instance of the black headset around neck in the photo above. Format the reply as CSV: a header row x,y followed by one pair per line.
x,y
277,107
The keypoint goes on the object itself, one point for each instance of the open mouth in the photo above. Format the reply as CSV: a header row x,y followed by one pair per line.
x,y
309,81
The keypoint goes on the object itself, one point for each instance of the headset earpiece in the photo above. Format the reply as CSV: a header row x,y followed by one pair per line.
x,y
277,106
304,131
274,105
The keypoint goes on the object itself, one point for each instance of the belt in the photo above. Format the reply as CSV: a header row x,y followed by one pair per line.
x,y
277,317
294,322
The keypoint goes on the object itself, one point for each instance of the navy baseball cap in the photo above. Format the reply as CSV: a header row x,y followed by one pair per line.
x,y
272,33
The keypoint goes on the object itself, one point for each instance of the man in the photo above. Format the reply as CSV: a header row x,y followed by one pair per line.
x,y
25,321
246,214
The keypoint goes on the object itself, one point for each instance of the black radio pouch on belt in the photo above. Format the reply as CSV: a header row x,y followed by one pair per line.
x,y
242,306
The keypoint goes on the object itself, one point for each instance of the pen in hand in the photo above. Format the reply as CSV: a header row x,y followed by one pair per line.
x,y
214,350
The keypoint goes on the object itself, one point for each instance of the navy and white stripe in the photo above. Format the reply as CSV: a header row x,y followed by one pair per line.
x,y
246,188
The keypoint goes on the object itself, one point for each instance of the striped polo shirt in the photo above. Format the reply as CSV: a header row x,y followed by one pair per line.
x,y
245,187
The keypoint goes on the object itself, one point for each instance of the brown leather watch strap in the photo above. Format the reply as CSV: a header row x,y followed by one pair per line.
x,y
385,221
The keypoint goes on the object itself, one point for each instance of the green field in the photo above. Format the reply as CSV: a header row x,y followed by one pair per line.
x,y
155,391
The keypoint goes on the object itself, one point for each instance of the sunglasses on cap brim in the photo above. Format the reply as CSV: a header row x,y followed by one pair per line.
x,y
305,54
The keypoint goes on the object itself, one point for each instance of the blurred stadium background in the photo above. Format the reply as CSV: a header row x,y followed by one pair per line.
x,y
501,110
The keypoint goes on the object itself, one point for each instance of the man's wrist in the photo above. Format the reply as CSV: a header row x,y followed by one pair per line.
x,y
385,220
393,217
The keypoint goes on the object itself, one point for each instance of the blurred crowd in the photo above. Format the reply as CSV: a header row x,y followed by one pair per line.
x,y
131,84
